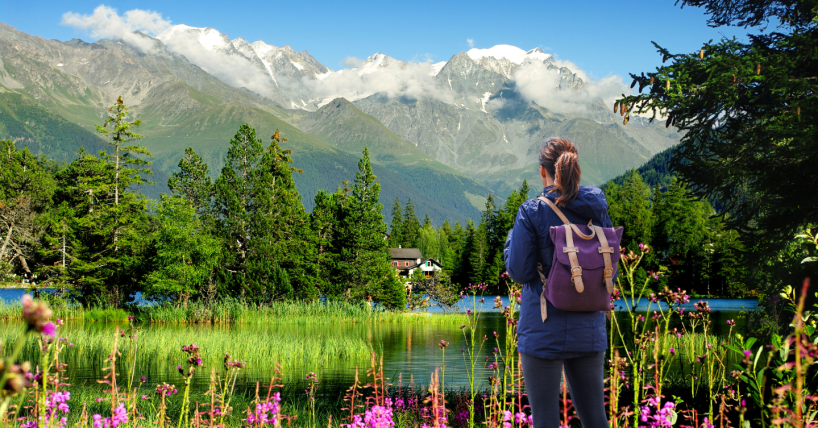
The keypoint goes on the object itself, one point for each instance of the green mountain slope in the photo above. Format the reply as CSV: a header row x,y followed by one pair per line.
x,y
341,123
25,122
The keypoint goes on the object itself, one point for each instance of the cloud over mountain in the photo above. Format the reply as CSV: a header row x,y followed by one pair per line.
x,y
381,74
536,82
106,23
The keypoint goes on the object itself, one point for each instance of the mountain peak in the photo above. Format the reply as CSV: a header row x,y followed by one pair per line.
x,y
508,52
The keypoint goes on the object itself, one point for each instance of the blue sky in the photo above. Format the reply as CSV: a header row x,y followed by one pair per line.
x,y
601,37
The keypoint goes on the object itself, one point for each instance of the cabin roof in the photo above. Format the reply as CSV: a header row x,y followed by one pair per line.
x,y
405,253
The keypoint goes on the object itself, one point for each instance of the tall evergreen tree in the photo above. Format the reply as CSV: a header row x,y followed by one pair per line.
x,y
110,238
396,230
109,220
234,204
629,205
325,222
192,181
279,229
185,254
411,226
749,114
364,266
682,221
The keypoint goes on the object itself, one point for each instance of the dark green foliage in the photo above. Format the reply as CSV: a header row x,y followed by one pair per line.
x,y
396,228
682,222
106,254
325,225
362,268
25,194
234,202
261,218
748,111
410,232
629,206
185,254
192,181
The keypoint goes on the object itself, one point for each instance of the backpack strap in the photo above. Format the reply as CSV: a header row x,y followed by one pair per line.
x,y
565,220
606,252
576,269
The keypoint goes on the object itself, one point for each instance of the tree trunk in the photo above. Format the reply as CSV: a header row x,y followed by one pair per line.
x,y
6,241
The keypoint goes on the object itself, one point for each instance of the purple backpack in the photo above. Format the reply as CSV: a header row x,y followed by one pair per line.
x,y
585,264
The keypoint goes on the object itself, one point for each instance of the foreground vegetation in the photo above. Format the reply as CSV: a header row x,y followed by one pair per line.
x,y
666,368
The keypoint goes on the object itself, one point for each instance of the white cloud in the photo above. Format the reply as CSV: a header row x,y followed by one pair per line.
x,y
380,74
217,57
535,82
105,22
470,42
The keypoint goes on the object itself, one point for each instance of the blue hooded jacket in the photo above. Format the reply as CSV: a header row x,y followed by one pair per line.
x,y
563,334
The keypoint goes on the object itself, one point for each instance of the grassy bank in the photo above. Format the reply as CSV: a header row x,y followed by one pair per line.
x,y
236,312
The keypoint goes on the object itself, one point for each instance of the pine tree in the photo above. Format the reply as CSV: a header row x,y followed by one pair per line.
x,y
279,228
364,264
396,230
110,238
681,220
192,182
457,242
326,230
411,226
186,255
629,205
480,257
110,222
234,204
747,113
426,222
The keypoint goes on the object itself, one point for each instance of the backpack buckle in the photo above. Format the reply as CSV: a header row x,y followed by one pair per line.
x,y
608,273
574,273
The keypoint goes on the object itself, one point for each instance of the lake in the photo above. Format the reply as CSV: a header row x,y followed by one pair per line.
x,y
410,350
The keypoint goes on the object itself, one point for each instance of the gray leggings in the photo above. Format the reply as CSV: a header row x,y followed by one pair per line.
x,y
585,383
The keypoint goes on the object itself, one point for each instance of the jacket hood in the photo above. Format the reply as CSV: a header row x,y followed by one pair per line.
x,y
589,203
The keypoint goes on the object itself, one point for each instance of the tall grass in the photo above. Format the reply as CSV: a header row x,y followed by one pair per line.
x,y
159,349
233,311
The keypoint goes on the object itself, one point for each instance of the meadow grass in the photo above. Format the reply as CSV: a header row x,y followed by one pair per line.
x,y
232,311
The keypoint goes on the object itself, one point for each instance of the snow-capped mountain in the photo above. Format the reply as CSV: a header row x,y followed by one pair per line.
x,y
481,112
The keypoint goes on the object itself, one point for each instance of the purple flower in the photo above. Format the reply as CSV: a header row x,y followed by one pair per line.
x,y
748,353
375,417
119,417
266,413
49,329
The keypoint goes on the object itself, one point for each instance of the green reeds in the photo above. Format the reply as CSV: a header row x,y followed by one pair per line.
x,y
232,311
159,349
